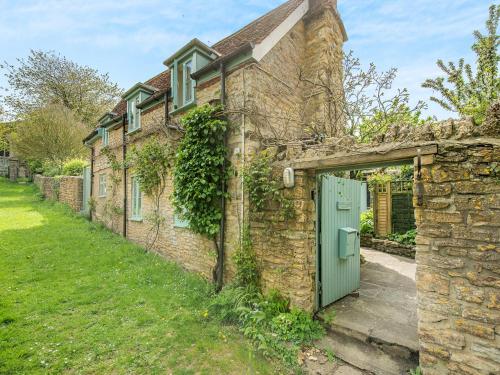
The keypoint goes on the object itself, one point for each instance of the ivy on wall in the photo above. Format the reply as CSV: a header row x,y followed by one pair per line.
x,y
198,170
264,187
151,165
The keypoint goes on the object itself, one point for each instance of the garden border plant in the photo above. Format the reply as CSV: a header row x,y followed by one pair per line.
x,y
151,165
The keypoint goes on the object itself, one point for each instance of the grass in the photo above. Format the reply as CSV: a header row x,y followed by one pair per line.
x,y
75,298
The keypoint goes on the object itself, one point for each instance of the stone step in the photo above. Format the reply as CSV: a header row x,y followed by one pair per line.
x,y
369,353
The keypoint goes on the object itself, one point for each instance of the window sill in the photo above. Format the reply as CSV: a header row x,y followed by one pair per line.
x,y
101,196
134,131
136,219
184,108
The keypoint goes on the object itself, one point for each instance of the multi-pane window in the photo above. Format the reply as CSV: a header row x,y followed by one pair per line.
x,y
136,199
134,114
105,137
102,185
188,82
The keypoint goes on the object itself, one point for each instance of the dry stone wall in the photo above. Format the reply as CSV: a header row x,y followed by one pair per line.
x,y
458,261
65,189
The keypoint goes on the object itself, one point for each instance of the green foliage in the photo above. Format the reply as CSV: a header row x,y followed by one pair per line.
x,y
416,371
52,133
263,186
46,77
198,171
462,90
98,276
275,330
407,238
74,167
226,305
151,164
51,169
247,273
397,112
367,222
296,326
378,179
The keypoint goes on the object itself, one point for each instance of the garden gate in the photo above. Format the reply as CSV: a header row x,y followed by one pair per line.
x,y
338,237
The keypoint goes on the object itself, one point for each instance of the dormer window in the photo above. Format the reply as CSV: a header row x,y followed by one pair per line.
x,y
189,59
188,82
134,114
105,137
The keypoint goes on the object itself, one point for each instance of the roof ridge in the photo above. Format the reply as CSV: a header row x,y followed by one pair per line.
x,y
254,22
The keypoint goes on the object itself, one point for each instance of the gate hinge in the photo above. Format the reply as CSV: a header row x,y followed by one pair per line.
x,y
320,288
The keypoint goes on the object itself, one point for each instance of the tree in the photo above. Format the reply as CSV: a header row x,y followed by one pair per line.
x,y
6,129
367,104
50,134
45,78
464,92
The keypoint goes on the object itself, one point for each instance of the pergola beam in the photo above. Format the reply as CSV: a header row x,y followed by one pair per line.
x,y
373,157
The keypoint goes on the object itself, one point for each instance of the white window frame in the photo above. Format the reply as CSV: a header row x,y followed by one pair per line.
x,y
105,137
136,201
103,188
187,83
135,114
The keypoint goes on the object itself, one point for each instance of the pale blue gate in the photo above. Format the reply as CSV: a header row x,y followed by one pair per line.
x,y
338,238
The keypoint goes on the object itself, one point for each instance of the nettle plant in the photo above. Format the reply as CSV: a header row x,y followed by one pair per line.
x,y
151,165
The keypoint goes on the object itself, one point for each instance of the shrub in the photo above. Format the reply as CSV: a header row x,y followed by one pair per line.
x,y
367,223
267,321
246,262
51,169
74,167
407,238
296,326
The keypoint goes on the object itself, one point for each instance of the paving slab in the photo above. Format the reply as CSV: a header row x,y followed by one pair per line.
x,y
386,309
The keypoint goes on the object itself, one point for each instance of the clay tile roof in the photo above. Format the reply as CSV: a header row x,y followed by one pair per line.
x,y
256,31
161,82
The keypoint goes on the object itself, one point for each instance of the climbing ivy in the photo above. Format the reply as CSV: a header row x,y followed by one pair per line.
x,y
151,164
245,260
263,186
198,170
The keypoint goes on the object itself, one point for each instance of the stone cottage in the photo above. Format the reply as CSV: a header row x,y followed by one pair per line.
x,y
263,73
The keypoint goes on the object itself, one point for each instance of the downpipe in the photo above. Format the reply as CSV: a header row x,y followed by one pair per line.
x,y
125,170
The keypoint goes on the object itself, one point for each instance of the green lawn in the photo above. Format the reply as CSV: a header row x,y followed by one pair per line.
x,y
75,298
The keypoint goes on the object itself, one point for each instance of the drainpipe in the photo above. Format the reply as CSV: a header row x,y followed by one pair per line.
x,y
166,109
92,155
125,170
220,264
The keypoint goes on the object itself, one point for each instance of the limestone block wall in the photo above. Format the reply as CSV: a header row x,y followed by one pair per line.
x,y
458,261
285,249
65,189
47,186
71,192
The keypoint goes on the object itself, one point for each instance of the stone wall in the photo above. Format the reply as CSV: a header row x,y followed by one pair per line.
x,y
48,186
458,261
65,189
387,246
286,249
71,192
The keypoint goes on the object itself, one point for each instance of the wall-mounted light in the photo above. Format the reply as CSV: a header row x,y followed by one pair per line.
x,y
289,177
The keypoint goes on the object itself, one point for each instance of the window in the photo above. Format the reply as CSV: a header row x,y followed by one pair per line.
x,y
105,137
134,114
183,84
188,83
180,223
136,200
102,185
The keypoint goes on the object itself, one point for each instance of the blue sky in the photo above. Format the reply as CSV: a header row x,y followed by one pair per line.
x,y
131,38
